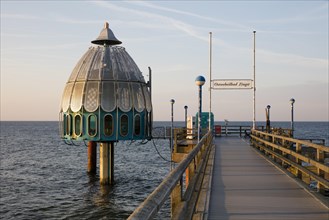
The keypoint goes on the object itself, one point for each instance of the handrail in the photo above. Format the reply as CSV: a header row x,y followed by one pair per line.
x,y
297,141
281,148
241,130
149,208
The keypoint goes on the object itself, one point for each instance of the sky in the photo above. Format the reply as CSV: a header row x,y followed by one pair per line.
x,y
41,41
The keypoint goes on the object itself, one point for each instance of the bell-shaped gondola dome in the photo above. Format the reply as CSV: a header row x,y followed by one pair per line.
x,y
106,97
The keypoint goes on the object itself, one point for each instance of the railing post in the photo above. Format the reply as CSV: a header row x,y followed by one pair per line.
x,y
319,155
299,151
320,158
176,198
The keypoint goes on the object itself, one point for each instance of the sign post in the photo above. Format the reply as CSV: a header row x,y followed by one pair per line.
x,y
222,84
210,79
254,92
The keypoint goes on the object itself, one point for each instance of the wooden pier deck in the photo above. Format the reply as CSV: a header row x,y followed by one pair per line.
x,y
247,186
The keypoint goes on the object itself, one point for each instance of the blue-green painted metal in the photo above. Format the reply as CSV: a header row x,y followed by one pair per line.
x,y
205,120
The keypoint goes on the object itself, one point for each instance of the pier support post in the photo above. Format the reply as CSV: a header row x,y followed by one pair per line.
x,y
106,163
92,157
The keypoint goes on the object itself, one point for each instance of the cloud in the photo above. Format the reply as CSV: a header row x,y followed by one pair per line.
x,y
174,24
220,21
200,33
20,16
165,21
50,47
272,57
60,18
312,14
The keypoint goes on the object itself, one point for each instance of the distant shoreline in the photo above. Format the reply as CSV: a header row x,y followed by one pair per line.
x,y
164,121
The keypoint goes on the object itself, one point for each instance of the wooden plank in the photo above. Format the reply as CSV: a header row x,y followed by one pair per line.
x,y
246,186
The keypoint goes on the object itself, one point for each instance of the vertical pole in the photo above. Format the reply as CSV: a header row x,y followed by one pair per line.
x,y
292,101
210,63
254,89
103,163
106,163
92,157
200,81
150,82
172,101
150,119
111,163
292,120
268,122
185,107
199,115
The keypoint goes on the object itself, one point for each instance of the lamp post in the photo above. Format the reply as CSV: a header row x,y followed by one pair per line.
x,y
210,77
268,123
172,101
200,81
185,107
254,85
292,101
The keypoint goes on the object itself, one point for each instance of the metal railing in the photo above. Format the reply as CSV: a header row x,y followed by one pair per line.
x,y
241,130
306,160
150,207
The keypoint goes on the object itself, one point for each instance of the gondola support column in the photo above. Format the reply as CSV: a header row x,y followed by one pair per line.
x,y
106,163
92,157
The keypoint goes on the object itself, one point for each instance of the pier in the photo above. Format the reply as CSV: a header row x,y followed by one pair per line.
x,y
245,185
265,177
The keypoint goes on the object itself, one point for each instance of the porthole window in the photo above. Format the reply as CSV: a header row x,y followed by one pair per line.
x,y
67,124
92,125
108,125
124,125
137,124
77,125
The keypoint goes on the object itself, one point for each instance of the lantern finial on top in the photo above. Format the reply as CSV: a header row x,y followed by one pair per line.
x,y
106,37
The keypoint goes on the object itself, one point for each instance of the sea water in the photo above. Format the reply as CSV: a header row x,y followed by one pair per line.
x,y
41,177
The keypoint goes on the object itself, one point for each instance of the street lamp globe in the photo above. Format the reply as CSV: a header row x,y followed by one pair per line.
x,y
200,81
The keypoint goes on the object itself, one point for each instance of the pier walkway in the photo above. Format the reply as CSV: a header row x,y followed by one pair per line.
x,y
247,186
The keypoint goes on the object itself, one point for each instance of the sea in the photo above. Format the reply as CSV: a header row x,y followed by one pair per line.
x,y
41,177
